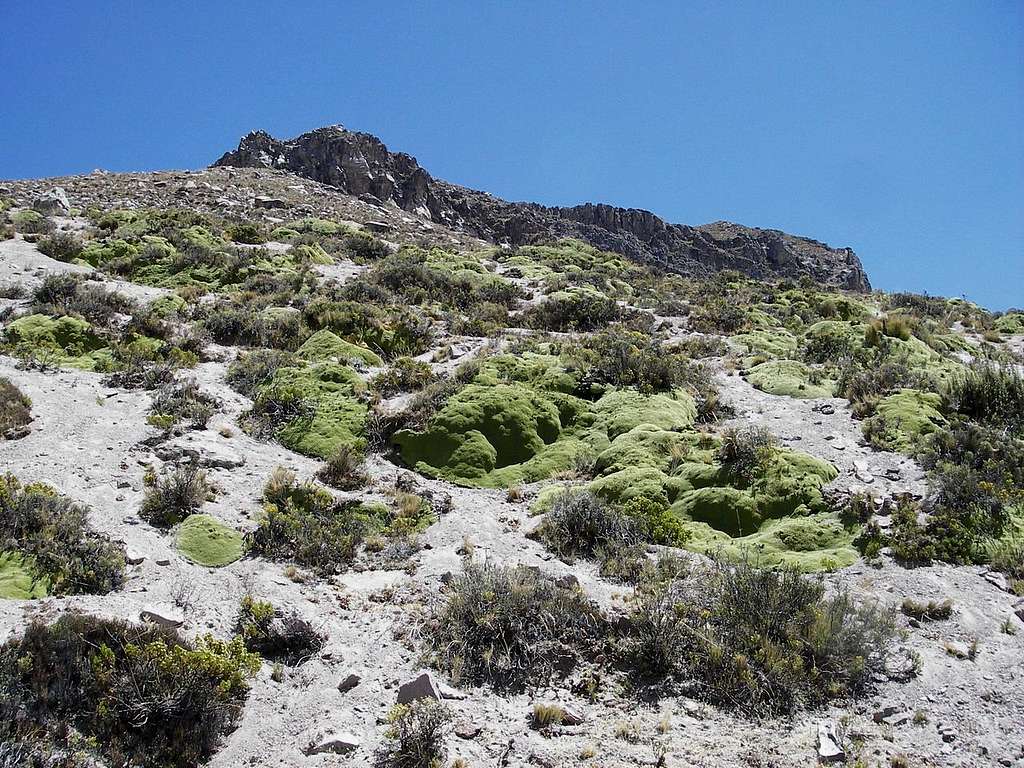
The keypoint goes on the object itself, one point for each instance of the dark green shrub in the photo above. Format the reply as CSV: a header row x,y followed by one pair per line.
x,y
344,470
305,524
62,246
403,375
142,695
246,232
415,734
718,315
579,524
54,533
512,627
233,322
69,294
745,450
181,402
253,369
275,635
579,311
761,641
15,409
865,382
174,497
992,395
484,319
31,223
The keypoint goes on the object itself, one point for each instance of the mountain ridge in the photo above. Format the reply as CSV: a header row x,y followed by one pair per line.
x,y
361,164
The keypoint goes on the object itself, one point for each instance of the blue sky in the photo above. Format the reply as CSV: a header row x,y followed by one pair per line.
x,y
895,128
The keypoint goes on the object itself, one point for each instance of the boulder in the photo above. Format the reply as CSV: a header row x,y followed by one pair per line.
x,y
53,203
349,682
263,201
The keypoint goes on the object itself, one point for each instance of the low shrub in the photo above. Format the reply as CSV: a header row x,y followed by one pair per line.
x,y
246,232
930,611
174,497
139,372
181,402
655,521
766,642
62,246
577,311
30,222
253,369
403,375
511,627
15,409
579,524
744,450
484,319
141,694
54,535
415,735
305,524
344,470
894,326
992,395
285,637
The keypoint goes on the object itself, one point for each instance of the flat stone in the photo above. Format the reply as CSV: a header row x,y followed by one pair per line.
x,y
349,682
422,687
164,615
133,558
262,201
336,742
468,730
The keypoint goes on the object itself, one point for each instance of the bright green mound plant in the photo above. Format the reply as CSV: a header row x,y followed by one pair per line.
x,y
517,423
1012,323
790,378
325,346
775,343
774,506
484,428
205,541
903,419
20,579
66,340
312,409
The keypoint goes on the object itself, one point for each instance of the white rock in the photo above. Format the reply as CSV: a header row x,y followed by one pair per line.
x,y
829,750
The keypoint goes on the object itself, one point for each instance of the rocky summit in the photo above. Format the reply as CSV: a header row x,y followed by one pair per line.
x,y
309,459
360,164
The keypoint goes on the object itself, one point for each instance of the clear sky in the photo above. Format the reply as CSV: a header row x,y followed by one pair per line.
x,y
895,128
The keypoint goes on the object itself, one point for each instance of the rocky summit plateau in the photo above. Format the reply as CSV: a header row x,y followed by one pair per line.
x,y
360,164
312,459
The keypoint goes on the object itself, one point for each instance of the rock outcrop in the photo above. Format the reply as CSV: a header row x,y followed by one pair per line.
x,y
361,165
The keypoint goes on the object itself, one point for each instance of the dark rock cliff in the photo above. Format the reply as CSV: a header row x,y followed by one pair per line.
x,y
360,164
